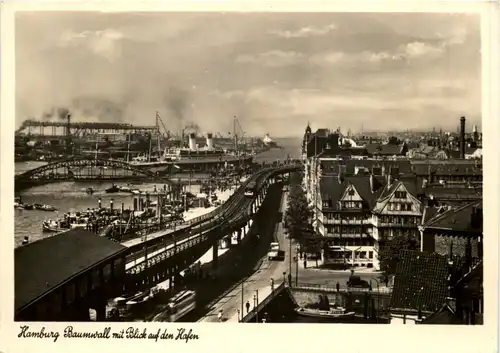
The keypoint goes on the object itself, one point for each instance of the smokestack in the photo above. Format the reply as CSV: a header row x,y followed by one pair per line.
x,y
192,142
210,142
462,138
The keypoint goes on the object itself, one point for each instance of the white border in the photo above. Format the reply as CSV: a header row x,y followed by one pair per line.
x,y
250,338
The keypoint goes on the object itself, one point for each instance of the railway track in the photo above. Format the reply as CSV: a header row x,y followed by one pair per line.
x,y
196,230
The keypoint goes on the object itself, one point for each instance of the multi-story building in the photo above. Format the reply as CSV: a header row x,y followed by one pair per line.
x,y
398,211
357,213
344,219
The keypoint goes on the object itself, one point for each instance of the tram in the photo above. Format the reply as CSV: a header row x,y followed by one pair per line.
x,y
178,306
251,189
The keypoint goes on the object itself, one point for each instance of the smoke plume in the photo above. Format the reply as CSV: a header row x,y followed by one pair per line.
x,y
176,101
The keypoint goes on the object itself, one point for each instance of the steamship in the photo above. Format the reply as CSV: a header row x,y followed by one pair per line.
x,y
191,154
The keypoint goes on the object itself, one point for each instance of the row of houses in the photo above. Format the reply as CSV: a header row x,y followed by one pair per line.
x,y
360,204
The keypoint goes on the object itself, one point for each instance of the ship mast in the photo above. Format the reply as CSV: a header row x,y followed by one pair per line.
x,y
158,134
234,136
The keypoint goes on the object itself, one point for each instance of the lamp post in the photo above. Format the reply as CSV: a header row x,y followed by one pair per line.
x,y
256,304
296,260
290,262
378,294
242,282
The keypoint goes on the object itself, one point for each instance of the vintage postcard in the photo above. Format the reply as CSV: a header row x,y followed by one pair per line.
x,y
241,163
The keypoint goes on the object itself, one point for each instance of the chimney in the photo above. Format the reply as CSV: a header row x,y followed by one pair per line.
x,y
372,183
462,138
192,142
210,142
340,176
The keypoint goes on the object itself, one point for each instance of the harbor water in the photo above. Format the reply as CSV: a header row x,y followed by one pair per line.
x,y
71,196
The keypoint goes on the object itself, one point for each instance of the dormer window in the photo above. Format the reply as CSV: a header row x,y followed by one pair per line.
x,y
400,194
350,192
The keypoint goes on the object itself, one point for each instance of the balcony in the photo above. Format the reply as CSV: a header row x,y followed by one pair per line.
x,y
397,225
347,222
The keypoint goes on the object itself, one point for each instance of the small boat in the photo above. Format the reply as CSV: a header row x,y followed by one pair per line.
x,y
44,207
53,226
124,189
89,191
334,313
113,189
26,240
28,206
18,205
62,225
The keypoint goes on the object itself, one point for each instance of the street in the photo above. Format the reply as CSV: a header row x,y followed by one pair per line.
x,y
257,286
330,278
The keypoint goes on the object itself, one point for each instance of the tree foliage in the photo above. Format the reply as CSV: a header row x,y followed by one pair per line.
x,y
298,214
390,252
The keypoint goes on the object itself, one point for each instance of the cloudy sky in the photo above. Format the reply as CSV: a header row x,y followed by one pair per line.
x,y
274,71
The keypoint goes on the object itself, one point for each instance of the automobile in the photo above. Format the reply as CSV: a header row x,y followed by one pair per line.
x,y
357,282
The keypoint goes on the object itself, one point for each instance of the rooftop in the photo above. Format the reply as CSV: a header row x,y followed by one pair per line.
x,y
51,261
332,190
420,282
467,218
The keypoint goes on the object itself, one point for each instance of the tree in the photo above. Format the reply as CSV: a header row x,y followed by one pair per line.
x,y
390,252
298,214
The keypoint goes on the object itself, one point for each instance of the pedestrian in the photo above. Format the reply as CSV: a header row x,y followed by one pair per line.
x,y
219,316
272,285
247,305
305,263
338,287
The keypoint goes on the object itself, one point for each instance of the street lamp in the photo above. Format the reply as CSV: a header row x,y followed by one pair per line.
x,y
242,298
255,304
296,260
290,262
378,295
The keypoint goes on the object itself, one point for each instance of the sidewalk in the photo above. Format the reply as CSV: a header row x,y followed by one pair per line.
x,y
258,283
231,303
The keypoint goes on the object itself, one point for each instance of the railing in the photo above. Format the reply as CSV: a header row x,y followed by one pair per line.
x,y
191,237
329,289
225,205
251,315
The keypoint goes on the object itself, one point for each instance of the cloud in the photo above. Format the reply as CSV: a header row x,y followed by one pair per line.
x,y
384,67
275,58
104,42
305,31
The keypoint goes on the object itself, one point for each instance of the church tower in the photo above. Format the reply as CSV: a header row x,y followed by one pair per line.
x,y
305,141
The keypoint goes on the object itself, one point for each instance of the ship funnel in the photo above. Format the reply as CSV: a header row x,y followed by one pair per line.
x,y
210,142
192,142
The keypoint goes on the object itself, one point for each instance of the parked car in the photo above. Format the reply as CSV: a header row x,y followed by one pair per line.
x,y
357,282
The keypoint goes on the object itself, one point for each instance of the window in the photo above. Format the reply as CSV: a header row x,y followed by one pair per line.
x,y
350,192
400,194
83,286
70,293
107,272
370,254
95,278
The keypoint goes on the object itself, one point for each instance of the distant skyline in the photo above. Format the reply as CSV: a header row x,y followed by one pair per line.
x,y
274,71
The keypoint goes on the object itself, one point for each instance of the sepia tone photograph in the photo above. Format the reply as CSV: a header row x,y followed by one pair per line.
x,y
248,167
